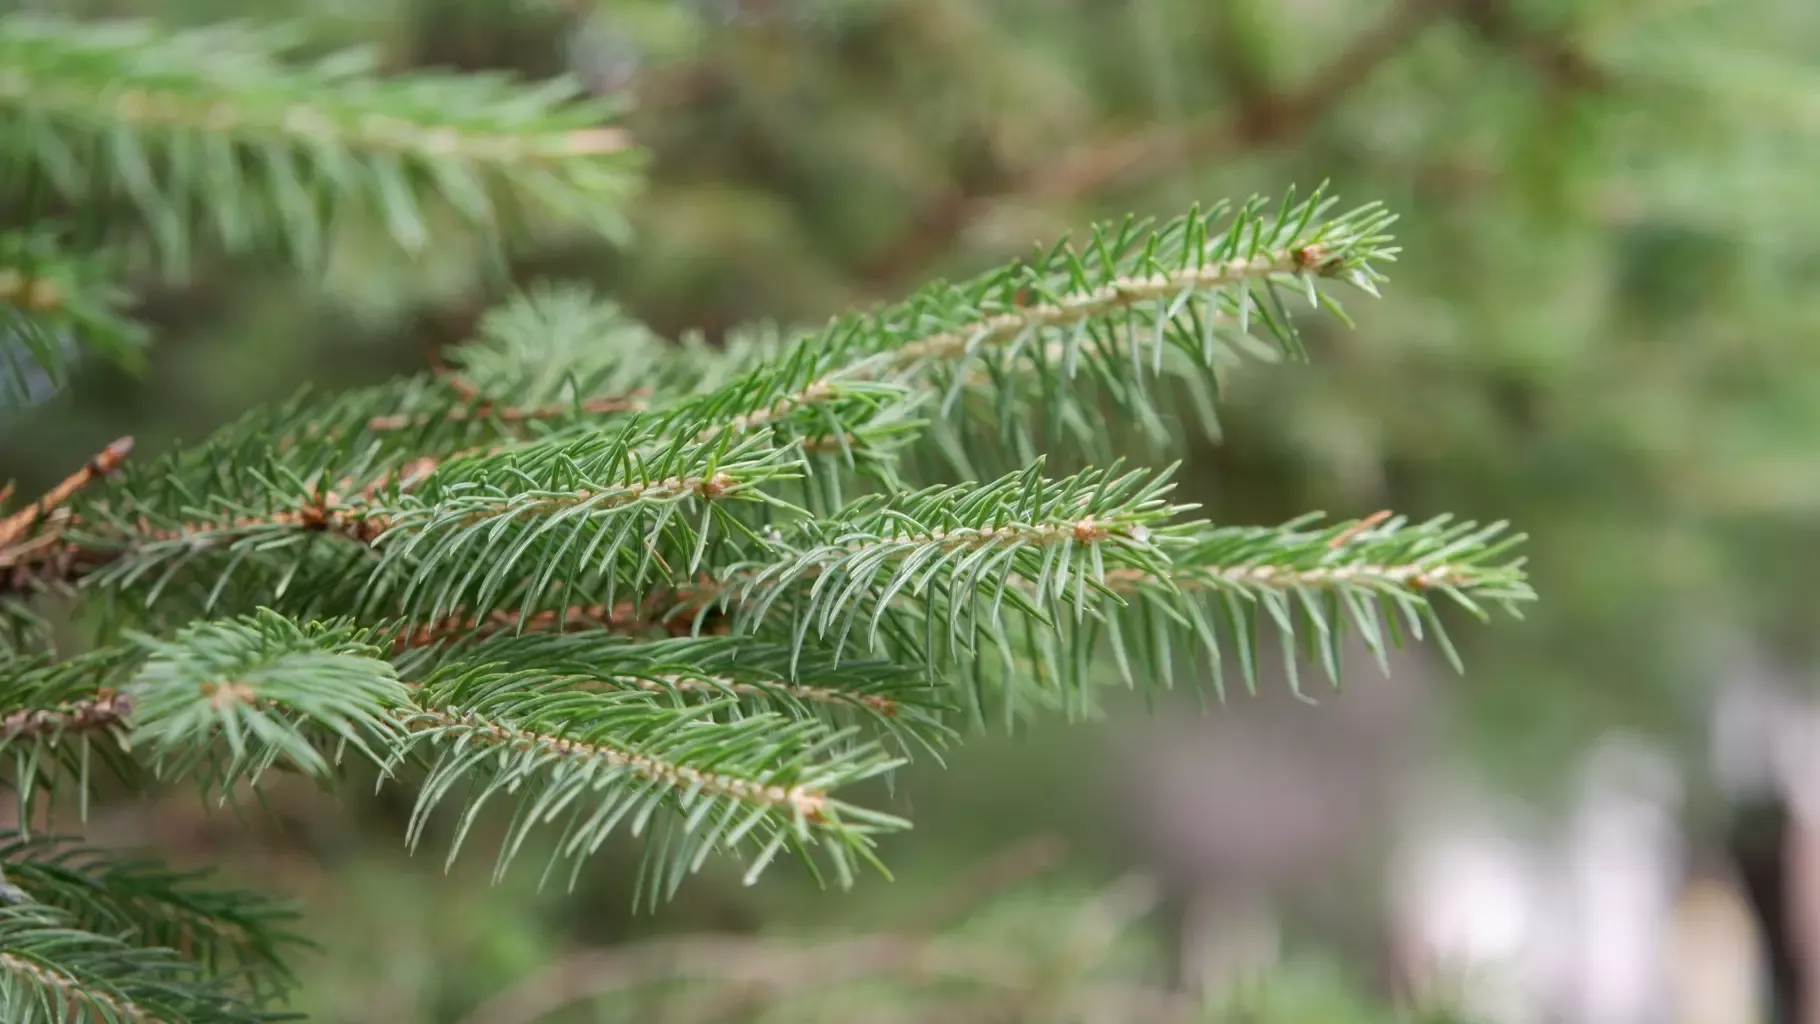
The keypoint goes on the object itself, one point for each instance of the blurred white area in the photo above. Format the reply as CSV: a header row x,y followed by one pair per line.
x,y
1620,875
1597,915
1467,898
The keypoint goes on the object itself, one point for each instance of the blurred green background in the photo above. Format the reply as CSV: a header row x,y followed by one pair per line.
x,y
1601,328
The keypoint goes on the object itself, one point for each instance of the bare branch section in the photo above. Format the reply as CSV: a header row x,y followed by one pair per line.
x,y
14,527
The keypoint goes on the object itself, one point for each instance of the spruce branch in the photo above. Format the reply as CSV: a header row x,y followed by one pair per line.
x,y
1038,544
569,568
715,731
263,685
64,714
229,933
892,699
1381,552
220,129
557,346
570,508
1308,584
489,532
599,760
1138,299
54,972
1162,591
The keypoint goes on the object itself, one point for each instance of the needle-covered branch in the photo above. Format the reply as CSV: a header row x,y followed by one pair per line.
x,y
52,971
736,753
230,933
883,696
1037,545
225,131
1308,584
470,535
639,588
1041,337
63,715
598,761
266,688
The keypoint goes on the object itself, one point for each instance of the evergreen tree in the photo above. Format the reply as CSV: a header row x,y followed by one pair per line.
x,y
698,594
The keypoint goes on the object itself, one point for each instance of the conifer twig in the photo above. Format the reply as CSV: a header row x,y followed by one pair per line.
x,y
104,462
1091,293
807,802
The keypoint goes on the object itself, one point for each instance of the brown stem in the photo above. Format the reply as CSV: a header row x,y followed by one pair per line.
x,y
1265,119
106,710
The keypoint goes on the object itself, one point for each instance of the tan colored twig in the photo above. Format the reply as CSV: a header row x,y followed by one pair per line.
x,y
104,462
1346,536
